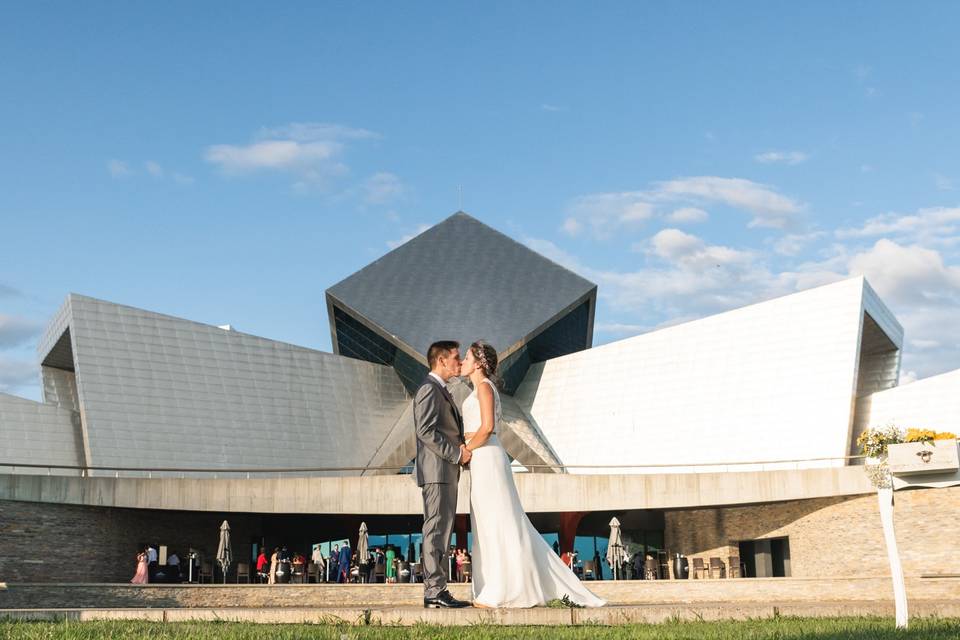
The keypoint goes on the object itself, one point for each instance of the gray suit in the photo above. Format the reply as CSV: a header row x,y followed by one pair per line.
x,y
439,436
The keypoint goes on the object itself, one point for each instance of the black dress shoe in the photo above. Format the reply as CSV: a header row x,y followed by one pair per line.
x,y
444,601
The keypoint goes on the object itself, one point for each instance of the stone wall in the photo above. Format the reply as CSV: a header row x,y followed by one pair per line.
x,y
831,536
66,543
626,592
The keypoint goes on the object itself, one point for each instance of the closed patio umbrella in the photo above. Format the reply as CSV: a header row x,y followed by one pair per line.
x,y
616,553
363,547
224,553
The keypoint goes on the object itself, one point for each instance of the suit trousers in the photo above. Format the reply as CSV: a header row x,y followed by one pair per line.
x,y
439,513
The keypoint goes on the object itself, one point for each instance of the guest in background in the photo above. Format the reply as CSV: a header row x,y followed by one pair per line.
x,y
460,559
391,568
597,563
343,575
274,560
173,564
299,566
152,557
262,563
335,564
317,559
141,576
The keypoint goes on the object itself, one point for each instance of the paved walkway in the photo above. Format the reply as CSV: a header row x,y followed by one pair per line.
x,y
404,616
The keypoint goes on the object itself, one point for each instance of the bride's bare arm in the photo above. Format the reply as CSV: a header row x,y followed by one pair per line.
x,y
482,434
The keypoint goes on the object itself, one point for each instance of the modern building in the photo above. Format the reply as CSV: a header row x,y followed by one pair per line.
x,y
729,436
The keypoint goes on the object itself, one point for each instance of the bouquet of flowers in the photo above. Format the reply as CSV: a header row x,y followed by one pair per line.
x,y
927,435
873,442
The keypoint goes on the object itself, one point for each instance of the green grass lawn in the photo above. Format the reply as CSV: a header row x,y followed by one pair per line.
x,y
779,629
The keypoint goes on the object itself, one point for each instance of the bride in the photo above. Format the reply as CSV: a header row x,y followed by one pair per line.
x,y
513,566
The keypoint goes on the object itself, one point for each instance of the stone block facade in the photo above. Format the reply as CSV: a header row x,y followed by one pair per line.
x,y
66,543
830,536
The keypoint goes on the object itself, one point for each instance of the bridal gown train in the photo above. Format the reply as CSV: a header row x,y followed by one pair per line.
x,y
513,566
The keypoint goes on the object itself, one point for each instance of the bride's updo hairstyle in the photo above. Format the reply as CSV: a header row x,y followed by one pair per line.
x,y
486,357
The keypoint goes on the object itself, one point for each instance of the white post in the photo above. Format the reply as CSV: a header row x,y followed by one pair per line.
x,y
885,498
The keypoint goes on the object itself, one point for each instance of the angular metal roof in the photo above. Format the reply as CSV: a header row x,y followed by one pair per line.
x,y
155,390
461,280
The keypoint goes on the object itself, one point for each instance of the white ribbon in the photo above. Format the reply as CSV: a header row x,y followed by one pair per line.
x,y
885,499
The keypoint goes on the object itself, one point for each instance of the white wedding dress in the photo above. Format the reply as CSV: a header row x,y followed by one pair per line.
x,y
513,566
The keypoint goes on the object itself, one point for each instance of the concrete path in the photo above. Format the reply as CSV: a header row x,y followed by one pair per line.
x,y
405,616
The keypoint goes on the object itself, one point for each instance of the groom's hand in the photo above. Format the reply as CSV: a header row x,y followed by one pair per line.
x,y
465,455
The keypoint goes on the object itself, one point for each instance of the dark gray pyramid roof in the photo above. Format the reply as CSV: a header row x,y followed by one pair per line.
x,y
461,280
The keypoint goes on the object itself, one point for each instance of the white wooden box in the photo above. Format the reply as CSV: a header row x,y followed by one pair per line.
x,y
912,458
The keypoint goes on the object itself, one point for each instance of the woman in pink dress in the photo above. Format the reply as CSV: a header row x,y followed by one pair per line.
x,y
140,577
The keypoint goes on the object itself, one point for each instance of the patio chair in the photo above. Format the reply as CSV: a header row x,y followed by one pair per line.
x,y
243,571
466,570
299,573
735,568
717,567
698,570
206,571
589,570
380,572
650,569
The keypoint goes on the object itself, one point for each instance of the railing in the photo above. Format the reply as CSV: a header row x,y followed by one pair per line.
x,y
708,467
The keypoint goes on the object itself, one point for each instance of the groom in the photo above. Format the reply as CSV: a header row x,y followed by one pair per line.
x,y
440,451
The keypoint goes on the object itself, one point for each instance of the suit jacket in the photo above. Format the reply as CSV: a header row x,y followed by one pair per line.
x,y
344,559
439,429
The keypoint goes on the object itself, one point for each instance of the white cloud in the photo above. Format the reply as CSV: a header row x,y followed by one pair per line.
x,y
393,244
690,252
382,188
913,261
673,243
781,157
792,244
118,168
909,275
271,154
939,225
551,107
309,151
687,215
16,374
605,213
698,278
572,227
623,329
180,178
15,331
770,209
154,169
943,182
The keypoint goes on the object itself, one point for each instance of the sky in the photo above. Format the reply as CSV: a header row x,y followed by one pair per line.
x,y
227,162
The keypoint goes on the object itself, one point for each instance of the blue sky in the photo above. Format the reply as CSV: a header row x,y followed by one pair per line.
x,y
228,162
